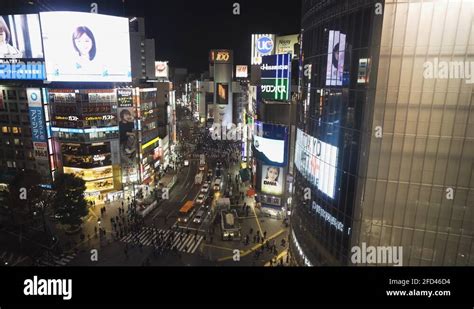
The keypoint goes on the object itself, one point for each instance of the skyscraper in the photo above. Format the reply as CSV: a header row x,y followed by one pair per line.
x,y
385,132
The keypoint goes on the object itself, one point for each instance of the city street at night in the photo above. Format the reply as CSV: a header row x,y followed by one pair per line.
x,y
318,151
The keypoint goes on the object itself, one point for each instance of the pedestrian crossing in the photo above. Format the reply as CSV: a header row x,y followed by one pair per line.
x,y
11,259
172,240
55,260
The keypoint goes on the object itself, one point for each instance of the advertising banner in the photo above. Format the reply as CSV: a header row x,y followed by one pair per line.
x,y
275,77
21,49
222,93
161,69
38,125
272,179
270,143
287,44
262,45
317,162
241,71
335,61
125,97
86,47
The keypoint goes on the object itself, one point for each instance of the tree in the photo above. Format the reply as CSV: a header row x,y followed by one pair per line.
x,y
23,194
69,202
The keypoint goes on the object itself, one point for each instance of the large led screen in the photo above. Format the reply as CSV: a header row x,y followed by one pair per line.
x,y
316,161
272,180
270,143
85,47
335,61
21,51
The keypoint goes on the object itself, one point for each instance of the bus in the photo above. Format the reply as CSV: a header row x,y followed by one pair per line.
x,y
186,212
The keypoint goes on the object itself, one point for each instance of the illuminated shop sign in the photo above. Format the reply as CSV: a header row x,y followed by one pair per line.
x,y
97,118
275,78
91,130
262,44
220,56
125,97
38,125
90,173
98,157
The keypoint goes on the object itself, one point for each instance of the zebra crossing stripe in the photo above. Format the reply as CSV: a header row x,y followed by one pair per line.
x,y
193,248
182,244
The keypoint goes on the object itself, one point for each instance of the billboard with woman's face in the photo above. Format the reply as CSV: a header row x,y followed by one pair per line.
x,y
272,180
86,47
21,50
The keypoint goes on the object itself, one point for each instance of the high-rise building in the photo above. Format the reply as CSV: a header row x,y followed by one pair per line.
x,y
384,148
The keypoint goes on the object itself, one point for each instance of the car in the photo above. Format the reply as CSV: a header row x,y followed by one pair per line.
x,y
205,188
209,173
199,216
202,167
200,198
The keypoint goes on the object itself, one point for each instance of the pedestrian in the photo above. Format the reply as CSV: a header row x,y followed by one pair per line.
x,y
265,234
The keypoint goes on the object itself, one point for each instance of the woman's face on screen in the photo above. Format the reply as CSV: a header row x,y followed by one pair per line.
x,y
3,36
84,44
272,174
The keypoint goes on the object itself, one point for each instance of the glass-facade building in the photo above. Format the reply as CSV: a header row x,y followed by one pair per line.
x,y
384,152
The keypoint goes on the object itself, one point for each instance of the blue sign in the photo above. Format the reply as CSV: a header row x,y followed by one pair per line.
x,y
264,45
276,66
28,71
276,77
38,128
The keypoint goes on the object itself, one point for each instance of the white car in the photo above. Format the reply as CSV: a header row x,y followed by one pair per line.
x,y
200,199
202,167
205,188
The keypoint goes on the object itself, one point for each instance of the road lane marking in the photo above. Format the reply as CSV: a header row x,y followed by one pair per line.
x,y
254,247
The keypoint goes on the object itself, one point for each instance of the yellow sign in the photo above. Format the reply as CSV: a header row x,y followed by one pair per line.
x,y
150,143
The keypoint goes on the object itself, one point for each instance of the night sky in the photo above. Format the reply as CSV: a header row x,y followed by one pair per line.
x,y
184,30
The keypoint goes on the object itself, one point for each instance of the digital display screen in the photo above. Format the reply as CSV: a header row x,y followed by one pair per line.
x,y
21,49
270,143
272,180
317,162
335,61
222,94
86,47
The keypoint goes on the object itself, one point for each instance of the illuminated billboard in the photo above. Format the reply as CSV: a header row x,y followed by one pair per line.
x,y
222,93
220,56
335,60
270,143
241,71
37,121
317,162
90,173
287,44
161,69
86,47
21,50
125,97
262,45
272,180
100,185
275,77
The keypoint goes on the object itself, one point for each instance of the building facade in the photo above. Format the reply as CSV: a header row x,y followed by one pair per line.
x,y
384,142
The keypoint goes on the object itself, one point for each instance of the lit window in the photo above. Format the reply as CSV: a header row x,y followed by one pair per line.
x,y
17,141
15,130
5,129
